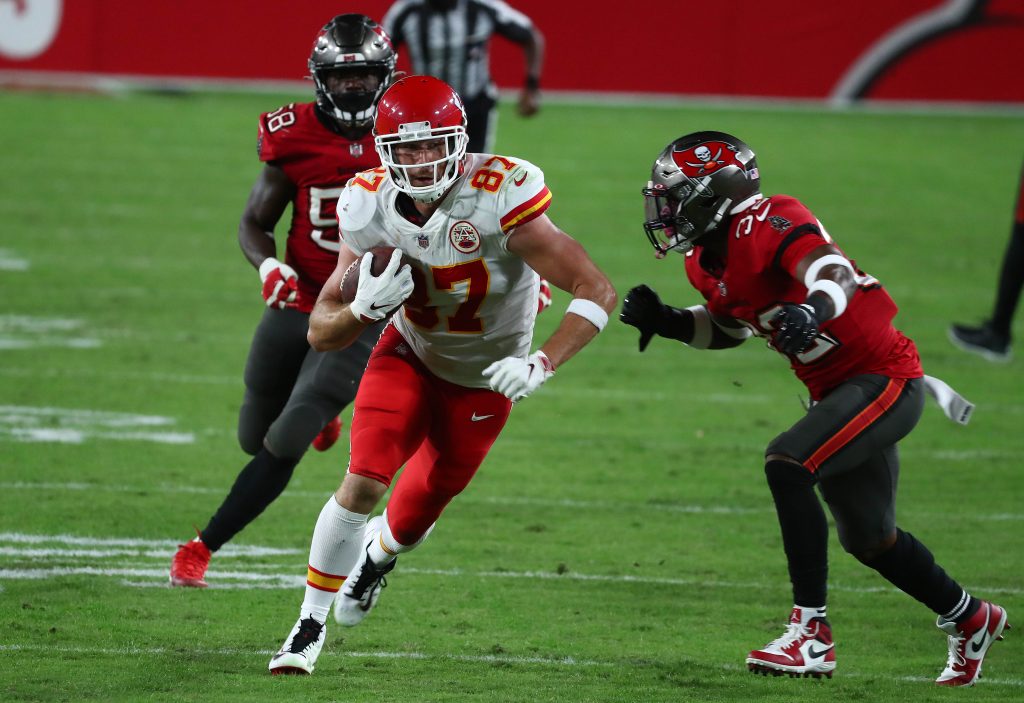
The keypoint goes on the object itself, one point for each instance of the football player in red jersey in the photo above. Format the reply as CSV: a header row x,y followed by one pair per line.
x,y
293,394
765,266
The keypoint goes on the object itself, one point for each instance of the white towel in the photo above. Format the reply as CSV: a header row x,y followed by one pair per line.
x,y
957,408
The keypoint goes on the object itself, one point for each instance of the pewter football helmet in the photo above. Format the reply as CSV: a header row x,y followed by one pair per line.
x,y
351,42
697,181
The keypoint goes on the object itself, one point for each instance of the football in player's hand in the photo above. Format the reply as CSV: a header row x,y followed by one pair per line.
x,y
350,281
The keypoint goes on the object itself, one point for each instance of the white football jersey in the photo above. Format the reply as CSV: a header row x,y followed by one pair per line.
x,y
474,301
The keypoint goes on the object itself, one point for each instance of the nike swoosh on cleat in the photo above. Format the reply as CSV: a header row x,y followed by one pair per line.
x,y
815,653
978,644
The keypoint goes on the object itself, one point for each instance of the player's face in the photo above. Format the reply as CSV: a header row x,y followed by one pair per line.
x,y
424,151
351,80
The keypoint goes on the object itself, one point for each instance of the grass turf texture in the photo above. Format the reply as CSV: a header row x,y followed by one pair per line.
x,y
619,542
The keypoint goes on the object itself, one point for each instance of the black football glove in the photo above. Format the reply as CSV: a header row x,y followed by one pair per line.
x,y
643,309
796,326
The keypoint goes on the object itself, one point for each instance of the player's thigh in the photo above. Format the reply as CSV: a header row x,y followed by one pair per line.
x,y
276,356
391,412
466,424
326,384
857,421
863,501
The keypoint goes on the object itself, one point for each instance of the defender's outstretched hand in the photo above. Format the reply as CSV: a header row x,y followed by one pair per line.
x,y
643,309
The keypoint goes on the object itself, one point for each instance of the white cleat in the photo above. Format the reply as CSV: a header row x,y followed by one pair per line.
x,y
363,586
299,652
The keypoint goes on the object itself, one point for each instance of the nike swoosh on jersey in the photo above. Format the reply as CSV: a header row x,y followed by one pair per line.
x,y
520,181
478,418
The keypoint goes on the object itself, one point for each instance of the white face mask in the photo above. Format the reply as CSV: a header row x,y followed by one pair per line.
x,y
446,169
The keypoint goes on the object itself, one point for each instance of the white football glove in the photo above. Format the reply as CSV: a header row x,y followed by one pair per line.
x,y
516,378
280,283
377,296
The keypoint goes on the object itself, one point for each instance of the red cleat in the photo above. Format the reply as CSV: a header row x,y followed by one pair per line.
x,y
189,565
805,649
328,435
968,643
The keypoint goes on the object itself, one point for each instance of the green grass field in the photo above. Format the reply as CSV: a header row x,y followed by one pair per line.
x,y
619,543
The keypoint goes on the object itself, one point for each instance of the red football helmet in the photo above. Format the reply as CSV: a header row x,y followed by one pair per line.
x,y
415,109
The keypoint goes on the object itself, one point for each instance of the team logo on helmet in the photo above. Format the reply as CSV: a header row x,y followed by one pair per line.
x,y
706,158
464,237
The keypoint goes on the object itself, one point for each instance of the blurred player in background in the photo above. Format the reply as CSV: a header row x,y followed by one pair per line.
x,y
766,266
441,381
293,393
449,39
992,338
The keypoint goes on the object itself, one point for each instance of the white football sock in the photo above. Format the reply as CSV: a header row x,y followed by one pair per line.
x,y
386,547
336,546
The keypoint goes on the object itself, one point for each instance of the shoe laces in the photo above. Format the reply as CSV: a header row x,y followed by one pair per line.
x,y
956,659
309,633
371,577
794,632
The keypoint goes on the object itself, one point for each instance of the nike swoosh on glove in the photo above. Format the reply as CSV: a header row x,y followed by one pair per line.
x,y
515,377
377,296
280,283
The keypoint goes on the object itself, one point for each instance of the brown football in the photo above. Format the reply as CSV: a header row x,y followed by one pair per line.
x,y
350,281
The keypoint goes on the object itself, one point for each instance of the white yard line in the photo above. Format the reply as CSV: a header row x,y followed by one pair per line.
x,y
557,661
295,578
685,509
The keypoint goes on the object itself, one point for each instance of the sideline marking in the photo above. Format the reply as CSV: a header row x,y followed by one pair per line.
x,y
28,423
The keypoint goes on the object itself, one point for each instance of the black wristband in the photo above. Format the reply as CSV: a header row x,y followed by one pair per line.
x,y
676,323
532,83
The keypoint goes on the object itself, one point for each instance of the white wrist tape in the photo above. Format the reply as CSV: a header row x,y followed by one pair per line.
x,y
828,260
701,327
590,311
268,265
834,291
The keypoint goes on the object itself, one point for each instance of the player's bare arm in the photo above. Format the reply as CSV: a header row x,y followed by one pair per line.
x,y
829,278
269,198
561,260
331,324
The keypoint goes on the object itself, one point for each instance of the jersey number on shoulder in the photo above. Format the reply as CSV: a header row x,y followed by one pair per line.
x,y
477,280
488,179
370,180
323,205
281,118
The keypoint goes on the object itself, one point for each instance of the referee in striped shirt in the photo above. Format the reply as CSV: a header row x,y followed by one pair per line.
x,y
449,39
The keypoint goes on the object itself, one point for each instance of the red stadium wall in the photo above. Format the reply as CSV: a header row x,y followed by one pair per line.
x,y
951,50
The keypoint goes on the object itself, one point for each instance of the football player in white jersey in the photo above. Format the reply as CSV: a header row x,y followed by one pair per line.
x,y
471,236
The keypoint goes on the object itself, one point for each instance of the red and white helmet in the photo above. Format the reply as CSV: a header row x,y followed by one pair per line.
x,y
419,108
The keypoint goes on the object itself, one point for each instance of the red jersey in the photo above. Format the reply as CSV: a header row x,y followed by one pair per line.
x,y
758,274
319,162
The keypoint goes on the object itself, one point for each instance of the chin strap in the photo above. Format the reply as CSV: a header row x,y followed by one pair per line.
x,y
955,406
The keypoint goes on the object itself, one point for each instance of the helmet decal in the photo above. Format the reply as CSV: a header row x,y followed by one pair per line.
x,y
705,158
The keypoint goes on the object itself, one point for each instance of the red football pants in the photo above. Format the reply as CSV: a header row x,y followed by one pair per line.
x,y
404,413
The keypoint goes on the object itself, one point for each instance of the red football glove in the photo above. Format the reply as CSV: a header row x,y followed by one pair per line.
x,y
280,283
543,297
